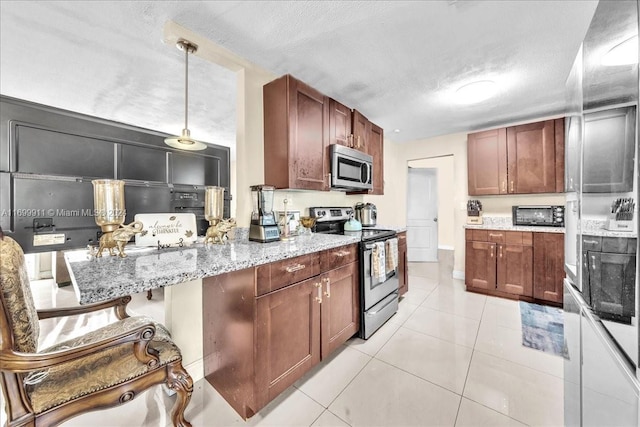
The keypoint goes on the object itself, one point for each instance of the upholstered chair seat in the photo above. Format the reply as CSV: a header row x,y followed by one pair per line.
x,y
103,368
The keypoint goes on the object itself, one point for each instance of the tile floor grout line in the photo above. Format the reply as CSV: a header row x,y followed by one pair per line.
x,y
419,377
497,412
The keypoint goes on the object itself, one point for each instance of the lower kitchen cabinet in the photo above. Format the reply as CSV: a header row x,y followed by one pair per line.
x,y
515,264
548,266
256,345
340,308
403,268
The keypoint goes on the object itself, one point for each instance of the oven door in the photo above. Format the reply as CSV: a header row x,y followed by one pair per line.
x,y
376,288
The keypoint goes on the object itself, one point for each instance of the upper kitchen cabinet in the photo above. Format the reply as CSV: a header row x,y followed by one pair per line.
x,y
487,162
340,124
535,157
524,159
361,128
608,150
375,148
296,135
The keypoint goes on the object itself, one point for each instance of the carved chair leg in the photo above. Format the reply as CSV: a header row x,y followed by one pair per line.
x,y
180,381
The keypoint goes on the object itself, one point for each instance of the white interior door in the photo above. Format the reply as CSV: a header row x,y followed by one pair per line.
x,y
422,215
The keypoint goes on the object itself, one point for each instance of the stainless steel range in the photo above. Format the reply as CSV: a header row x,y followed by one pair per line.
x,y
378,251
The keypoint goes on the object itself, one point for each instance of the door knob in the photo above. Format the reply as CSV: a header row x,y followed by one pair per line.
x,y
435,219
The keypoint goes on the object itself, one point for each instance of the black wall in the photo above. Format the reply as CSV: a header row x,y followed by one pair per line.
x,y
49,156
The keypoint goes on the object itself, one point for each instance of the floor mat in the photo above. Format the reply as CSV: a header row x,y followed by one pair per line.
x,y
543,328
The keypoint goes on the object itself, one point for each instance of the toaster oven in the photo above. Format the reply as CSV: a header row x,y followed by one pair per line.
x,y
547,216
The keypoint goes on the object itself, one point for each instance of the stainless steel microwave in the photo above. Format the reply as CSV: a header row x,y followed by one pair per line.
x,y
549,216
350,169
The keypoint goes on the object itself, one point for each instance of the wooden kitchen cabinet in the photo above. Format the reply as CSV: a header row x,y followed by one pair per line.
x,y
299,125
259,339
499,262
535,157
296,135
403,270
340,308
375,148
487,162
287,337
548,266
361,127
339,124
515,264
524,159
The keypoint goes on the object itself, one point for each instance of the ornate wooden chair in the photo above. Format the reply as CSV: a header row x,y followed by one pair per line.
x,y
100,369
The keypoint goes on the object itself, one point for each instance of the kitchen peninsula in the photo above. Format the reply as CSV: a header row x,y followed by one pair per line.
x,y
101,279
292,302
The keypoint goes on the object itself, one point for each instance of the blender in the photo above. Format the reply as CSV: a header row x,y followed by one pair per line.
x,y
263,226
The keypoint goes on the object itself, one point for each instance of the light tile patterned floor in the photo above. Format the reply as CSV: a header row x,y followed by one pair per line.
x,y
446,358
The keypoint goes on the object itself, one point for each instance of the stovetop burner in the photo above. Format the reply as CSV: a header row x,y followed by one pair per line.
x,y
332,220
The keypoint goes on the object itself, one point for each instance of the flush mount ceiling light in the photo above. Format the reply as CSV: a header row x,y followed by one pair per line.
x,y
475,92
625,53
184,141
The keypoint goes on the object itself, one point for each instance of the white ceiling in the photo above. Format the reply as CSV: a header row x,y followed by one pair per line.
x,y
398,62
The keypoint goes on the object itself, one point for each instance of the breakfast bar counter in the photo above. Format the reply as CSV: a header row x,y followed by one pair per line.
x,y
100,279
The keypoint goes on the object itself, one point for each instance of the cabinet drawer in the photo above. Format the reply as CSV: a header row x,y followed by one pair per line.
x,y
337,257
496,236
279,274
524,238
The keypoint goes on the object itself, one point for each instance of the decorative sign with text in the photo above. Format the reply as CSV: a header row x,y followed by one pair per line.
x,y
167,229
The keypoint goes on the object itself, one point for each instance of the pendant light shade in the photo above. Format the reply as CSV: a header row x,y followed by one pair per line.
x,y
184,141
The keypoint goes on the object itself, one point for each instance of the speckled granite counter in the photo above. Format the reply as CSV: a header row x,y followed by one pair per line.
x,y
100,279
596,228
504,223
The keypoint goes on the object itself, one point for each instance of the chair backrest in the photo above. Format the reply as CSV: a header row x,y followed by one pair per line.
x,y
18,309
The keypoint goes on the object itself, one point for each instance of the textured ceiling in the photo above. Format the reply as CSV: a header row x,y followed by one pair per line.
x,y
397,62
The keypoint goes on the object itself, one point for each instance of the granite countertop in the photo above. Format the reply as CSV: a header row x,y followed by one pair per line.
x,y
100,279
505,223
396,228
597,228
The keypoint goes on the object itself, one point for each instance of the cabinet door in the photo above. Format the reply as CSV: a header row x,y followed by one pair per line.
x,y
287,337
296,135
480,265
340,308
339,124
403,272
548,266
532,158
361,128
515,274
309,138
612,282
487,162
375,148
608,147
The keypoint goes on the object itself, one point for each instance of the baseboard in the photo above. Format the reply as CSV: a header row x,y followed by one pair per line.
x,y
457,274
446,248
196,369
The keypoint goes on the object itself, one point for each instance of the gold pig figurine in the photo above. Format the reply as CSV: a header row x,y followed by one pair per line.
x,y
119,238
216,233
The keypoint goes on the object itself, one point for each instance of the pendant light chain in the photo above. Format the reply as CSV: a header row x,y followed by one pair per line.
x,y
186,86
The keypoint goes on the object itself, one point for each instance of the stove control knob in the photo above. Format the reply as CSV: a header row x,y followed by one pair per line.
x,y
349,212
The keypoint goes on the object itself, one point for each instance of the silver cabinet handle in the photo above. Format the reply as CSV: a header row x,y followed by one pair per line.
x,y
296,267
342,253
590,242
512,186
504,186
593,264
319,297
327,293
500,247
495,235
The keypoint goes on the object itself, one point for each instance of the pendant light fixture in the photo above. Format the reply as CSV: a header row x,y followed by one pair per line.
x,y
184,141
